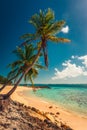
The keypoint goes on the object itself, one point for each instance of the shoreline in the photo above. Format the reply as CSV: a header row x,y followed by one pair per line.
x,y
56,104
71,119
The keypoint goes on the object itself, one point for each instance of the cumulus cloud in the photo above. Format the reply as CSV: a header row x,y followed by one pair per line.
x,y
71,70
84,60
65,29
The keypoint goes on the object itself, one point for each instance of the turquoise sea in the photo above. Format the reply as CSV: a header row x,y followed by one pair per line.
x,y
72,97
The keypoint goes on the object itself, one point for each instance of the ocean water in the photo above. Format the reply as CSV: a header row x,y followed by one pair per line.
x,y
70,97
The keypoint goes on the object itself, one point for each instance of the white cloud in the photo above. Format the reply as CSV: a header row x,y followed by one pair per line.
x,y
72,70
65,29
84,59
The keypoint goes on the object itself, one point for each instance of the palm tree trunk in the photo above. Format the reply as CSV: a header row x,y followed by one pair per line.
x,y
15,86
6,83
44,46
34,60
5,98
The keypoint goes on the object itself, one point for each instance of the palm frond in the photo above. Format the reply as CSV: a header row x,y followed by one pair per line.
x,y
57,39
41,17
14,72
31,80
15,64
39,45
35,21
49,17
29,51
35,72
29,37
39,66
19,53
55,27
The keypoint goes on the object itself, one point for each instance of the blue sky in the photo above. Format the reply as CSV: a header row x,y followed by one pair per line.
x,y
14,16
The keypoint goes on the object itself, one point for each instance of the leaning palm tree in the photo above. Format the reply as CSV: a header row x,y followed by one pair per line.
x,y
46,29
20,66
16,71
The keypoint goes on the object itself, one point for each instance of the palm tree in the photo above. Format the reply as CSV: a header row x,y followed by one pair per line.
x,y
20,68
46,29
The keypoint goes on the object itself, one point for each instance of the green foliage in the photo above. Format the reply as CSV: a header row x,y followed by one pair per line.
x,y
4,80
46,29
27,64
45,26
25,59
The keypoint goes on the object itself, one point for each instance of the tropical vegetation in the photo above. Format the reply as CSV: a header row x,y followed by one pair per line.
x,y
46,29
19,67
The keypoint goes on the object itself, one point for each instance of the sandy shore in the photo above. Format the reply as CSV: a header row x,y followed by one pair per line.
x,y
71,119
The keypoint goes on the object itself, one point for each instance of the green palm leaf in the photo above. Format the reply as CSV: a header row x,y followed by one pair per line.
x,y
19,53
39,66
15,64
46,29
49,17
25,57
29,37
55,28
57,39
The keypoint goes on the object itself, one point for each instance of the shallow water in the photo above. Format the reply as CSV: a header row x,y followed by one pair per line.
x,y
71,97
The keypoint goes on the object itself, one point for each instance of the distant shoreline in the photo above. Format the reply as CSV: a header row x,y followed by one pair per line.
x,y
45,85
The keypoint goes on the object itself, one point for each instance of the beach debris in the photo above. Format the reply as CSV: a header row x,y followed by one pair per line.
x,y
50,107
20,117
57,113
51,113
50,117
65,127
